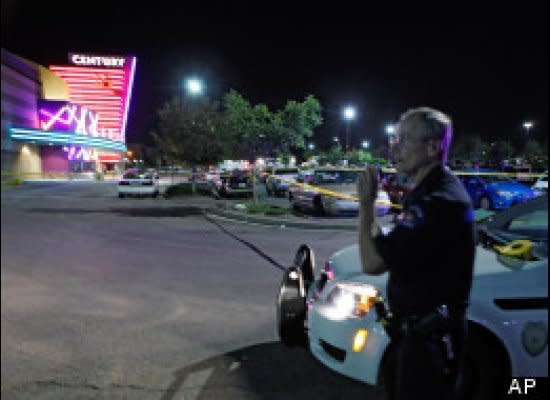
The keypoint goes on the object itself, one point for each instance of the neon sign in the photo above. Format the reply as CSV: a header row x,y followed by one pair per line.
x,y
98,61
106,90
63,138
67,117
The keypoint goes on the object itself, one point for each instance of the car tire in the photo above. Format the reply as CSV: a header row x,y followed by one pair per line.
x,y
291,309
485,203
481,380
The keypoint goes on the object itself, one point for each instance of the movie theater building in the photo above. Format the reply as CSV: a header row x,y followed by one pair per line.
x,y
68,118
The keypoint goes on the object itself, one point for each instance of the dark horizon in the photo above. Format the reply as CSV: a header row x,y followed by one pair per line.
x,y
486,66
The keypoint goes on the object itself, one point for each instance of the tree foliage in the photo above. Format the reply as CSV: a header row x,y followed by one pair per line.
x,y
189,134
200,132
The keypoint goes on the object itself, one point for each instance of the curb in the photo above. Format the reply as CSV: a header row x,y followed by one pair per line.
x,y
240,217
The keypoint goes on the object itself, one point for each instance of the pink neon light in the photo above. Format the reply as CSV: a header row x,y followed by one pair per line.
x,y
111,102
129,85
86,69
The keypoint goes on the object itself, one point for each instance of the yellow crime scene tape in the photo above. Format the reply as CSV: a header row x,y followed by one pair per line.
x,y
393,171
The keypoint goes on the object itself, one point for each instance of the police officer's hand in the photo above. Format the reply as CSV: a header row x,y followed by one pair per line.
x,y
367,188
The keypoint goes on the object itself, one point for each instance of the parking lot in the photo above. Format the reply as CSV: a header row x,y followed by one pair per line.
x,y
149,299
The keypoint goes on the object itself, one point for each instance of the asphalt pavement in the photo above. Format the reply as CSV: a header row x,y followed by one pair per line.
x,y
107,298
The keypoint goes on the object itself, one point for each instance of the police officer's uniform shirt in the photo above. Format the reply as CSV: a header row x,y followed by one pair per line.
x,y
430,252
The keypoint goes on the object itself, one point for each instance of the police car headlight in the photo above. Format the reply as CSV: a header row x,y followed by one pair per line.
x,y
351,299
534,337
504,193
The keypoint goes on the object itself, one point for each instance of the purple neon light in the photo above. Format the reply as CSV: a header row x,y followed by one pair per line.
x,y
57,117
128,95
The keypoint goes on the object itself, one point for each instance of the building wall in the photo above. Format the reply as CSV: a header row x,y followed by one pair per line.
x,y
20,91
28,160
54,159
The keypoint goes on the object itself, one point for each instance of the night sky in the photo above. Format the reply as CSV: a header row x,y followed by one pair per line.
x,y
486,65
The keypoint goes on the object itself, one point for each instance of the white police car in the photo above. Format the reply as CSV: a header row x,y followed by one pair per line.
x,y
332,312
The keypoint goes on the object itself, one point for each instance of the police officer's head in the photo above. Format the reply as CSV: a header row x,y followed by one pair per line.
x,y
423,137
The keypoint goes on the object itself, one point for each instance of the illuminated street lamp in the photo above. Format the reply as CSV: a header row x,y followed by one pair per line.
x,y
335,139
194,86
311,146
349,115
365,144
390,129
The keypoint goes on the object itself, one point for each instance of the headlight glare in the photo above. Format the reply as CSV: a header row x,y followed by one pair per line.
x,y
353,299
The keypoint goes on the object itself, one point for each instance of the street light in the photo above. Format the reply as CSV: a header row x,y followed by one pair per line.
x,y
194,86
311,146
365,144
335,139
390,129
349,115
527,125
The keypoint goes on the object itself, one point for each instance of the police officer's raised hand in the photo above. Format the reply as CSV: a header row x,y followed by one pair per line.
x,y
367,189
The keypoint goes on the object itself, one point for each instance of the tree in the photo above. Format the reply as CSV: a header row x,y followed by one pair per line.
x,y
333,156
471,148
245,127
190,133
296,122
536,154
501,150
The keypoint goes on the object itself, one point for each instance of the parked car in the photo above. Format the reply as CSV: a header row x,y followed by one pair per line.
x,y
234,185
331,312
321,196
137,182
280,180
495,192
541,185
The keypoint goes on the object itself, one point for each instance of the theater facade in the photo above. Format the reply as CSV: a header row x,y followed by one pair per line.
x,y
65,118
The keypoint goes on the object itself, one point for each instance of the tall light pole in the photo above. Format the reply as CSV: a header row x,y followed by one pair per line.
x,y
349,115
527,125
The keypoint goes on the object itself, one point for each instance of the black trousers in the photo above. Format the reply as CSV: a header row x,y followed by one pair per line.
x,y
420,369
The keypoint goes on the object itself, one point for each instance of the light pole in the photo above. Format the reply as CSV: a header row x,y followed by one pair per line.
x,y
349,115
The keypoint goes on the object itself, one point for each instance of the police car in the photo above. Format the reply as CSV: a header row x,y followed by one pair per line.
x,y
331,311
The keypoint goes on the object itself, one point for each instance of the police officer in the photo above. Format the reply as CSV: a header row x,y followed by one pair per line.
x,y
429,255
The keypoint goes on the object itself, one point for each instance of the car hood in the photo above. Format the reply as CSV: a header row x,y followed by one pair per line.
x,y
491,274
509,187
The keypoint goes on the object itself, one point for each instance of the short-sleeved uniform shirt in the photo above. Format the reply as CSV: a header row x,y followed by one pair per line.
x,y
430,252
